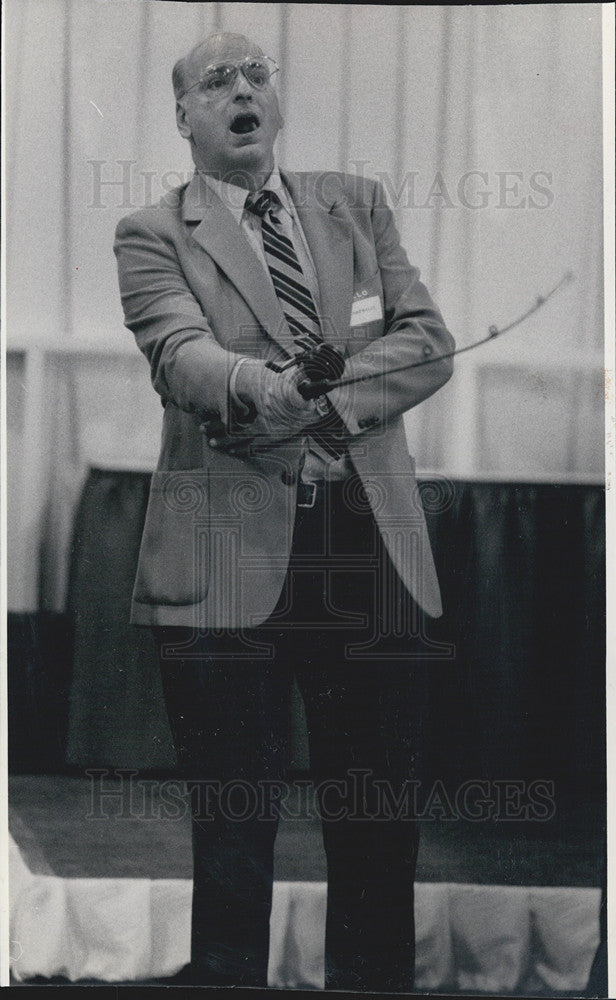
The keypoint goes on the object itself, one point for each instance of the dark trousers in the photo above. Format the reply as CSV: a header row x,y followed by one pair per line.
x,y
344,627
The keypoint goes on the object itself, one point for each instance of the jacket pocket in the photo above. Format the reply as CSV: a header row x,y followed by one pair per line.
x,y
174,557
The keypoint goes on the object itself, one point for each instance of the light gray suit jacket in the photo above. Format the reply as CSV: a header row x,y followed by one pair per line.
x,y
218,528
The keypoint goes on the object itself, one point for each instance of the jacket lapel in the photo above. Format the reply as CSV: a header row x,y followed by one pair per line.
x,y
328,234
329,237
220,236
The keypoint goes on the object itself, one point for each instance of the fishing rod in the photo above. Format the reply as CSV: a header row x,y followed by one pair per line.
x,y
322,366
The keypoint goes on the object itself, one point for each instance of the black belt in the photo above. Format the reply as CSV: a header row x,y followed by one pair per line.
x,y
307,493
312,493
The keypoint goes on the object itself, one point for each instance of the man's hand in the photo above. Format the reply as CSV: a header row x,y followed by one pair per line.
x,y
280,411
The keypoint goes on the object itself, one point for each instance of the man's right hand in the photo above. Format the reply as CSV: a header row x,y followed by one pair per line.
x,y
281,412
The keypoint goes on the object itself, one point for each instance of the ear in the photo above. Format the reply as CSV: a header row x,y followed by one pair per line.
x,y
280,119
182,121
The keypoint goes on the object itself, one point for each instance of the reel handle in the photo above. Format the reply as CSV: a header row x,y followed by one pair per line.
x,y
322,364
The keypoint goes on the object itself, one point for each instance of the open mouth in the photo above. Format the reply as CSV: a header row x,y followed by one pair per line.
x,y
244,123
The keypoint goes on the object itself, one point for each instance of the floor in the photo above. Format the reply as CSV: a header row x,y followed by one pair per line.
x,y
141,828
138,826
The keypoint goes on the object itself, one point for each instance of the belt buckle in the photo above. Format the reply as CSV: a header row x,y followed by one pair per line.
x,y
310,502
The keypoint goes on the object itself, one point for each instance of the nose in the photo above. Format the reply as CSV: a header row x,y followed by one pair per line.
x,y
243,89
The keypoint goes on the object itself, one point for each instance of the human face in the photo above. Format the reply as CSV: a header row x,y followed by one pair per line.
x,y
232,136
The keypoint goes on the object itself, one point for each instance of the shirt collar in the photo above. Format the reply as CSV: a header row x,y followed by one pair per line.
x,y
234,197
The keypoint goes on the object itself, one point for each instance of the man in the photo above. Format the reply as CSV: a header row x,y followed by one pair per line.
x,y
283,536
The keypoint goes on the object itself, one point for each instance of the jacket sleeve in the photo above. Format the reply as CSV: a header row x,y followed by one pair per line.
x,y
188,366
414,331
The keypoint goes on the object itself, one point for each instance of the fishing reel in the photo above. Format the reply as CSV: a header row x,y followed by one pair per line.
x,y
318,364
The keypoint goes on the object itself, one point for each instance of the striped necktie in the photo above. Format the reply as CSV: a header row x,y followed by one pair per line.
x,y
297,305
285,269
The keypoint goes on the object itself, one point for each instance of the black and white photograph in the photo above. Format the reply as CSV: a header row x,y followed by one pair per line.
x,y
305,386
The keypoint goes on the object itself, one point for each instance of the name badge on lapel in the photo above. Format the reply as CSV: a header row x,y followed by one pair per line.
x,y
366,310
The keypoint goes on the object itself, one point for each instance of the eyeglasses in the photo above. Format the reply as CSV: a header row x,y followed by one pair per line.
x,y
217,80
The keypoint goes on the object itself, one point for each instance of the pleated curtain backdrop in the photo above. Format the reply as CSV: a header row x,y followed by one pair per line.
x,y
483,123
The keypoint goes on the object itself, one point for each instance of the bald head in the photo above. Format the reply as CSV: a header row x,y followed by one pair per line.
x,y
215,48
232,126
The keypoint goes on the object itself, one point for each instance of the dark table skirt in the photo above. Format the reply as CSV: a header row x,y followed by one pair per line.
x,y
522,575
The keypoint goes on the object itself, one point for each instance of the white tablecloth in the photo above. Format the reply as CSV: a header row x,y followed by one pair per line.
x,y
469,937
